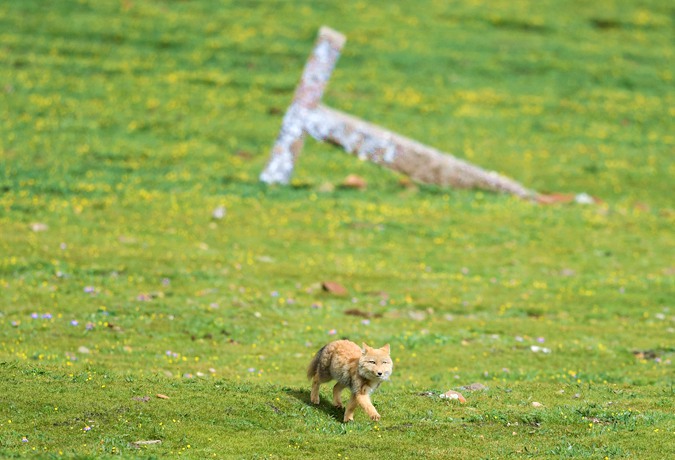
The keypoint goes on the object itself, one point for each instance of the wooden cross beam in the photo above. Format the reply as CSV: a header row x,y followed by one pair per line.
x,y
306,115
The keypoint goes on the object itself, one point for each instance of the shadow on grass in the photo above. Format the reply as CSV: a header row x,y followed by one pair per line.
x,y
324,406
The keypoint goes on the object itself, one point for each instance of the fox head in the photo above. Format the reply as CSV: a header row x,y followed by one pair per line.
x,y
375,363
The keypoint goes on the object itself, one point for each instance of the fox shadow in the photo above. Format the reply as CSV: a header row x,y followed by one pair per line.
x,y
325,405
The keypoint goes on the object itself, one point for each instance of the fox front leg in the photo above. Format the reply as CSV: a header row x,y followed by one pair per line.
x,y
349,411
364,401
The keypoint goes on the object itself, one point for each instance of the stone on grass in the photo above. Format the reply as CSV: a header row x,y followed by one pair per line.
x,y
334,288
455,395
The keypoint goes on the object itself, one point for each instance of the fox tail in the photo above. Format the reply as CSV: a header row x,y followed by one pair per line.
x,y
314,364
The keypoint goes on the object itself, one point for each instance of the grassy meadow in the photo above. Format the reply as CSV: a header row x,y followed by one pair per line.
x,y
140,255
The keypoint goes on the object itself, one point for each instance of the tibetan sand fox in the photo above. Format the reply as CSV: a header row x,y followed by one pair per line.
x,y
361,370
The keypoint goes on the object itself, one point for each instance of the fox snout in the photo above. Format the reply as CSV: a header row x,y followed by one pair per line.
x,y
384,375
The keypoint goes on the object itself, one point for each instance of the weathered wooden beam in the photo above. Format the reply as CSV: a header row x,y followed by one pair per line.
x,y
367,141
420,162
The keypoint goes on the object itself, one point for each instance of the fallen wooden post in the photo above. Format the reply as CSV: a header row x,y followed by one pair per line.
x,y
369,142
307,96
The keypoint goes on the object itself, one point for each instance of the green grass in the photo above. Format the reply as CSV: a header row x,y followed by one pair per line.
x,y
124,124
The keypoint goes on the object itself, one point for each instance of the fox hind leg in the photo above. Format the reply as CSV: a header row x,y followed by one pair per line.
x,y
314,396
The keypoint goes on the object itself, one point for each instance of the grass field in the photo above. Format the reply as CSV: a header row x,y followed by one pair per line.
x,y
125,124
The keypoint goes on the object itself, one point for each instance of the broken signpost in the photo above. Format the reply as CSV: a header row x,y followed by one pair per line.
x,y
306,115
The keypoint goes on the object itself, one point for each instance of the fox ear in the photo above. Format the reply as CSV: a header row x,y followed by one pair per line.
x,y
386,348
364,349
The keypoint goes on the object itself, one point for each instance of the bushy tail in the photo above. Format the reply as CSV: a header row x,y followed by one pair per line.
x,y
314,364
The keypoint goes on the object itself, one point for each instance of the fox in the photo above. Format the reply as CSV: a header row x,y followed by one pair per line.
x,y
361,369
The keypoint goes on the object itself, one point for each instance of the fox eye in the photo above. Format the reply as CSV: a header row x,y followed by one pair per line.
x,y
372,362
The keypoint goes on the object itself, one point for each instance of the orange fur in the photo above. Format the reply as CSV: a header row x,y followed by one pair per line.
x,y
361,369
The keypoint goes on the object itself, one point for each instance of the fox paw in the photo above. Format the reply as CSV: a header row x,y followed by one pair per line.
x,y
375,417
338,405
314,400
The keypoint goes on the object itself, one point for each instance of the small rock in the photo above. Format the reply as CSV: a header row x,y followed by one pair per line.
x,y
537,404
84,350
355,182
161,396
334,288
475,387
451,394
537,349
585,198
